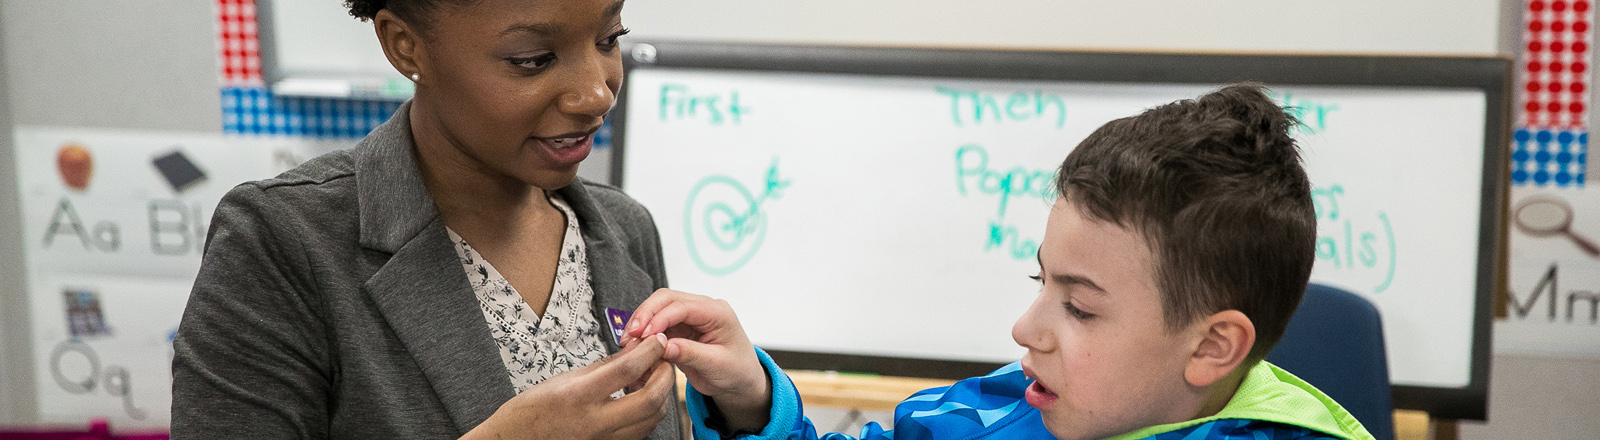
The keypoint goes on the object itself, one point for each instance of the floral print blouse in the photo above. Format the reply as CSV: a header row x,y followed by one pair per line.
x,y
533,347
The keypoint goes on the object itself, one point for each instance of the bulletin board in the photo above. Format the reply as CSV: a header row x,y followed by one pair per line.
x,y
878,209
314,48
1552,303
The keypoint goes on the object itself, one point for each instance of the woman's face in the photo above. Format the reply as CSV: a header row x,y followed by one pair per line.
x,y
521,86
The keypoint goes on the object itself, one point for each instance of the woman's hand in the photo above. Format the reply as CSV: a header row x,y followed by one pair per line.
x,y
708,344
578,404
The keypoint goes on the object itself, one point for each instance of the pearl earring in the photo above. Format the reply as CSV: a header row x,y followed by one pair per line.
x,y
416,77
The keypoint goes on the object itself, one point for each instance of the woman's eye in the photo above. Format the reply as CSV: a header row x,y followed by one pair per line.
x,y
1076,312
534,62
610,42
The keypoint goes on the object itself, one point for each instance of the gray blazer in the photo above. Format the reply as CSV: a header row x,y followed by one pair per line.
x,y
331,304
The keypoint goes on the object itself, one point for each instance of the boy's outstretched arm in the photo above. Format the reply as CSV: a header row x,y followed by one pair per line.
x,y
730,377
709,345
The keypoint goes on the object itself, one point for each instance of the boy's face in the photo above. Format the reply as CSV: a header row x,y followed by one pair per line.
x,y
1101,354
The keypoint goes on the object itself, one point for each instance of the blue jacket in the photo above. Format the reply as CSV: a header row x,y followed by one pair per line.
x,y
1270,404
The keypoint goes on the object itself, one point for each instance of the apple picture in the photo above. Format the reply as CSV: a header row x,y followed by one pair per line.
x,y
75,165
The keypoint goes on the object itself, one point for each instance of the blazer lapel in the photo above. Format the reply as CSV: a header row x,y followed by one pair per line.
x,y
422,291
616,279
426,299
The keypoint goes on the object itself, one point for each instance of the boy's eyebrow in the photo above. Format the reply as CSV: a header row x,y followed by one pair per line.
x,y
1069,279
554,28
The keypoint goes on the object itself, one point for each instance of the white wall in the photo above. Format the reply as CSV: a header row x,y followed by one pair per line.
x,y
1540,397
1372,26
113,64
14,360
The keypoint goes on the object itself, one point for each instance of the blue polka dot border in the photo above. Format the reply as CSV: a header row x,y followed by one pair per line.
x,y
1549,158
255,111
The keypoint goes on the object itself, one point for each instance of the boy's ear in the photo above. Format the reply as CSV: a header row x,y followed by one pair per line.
x,y
1226,344
400,41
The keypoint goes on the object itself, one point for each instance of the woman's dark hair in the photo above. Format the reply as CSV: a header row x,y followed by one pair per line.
x,y
1216,187
416,12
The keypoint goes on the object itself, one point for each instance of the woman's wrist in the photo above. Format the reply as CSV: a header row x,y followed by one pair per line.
x,y
494,427
484,431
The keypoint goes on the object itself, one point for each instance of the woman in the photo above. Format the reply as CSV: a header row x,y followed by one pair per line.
x,y
445,278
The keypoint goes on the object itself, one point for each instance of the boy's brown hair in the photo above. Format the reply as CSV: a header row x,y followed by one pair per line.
x,y
1216,187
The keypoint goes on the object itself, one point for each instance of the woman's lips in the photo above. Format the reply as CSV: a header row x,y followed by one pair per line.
x,y
566,151
1039,396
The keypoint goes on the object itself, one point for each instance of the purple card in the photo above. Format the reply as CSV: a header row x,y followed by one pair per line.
x,y
619,322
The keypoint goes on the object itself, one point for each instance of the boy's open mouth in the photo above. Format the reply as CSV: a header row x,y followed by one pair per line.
x,y
1039,396
1041,389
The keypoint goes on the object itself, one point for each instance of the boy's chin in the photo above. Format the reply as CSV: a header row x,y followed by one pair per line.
x,y
1067,428
1063,433
1062,429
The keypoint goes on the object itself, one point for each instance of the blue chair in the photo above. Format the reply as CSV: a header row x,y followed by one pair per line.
x,y
1335,343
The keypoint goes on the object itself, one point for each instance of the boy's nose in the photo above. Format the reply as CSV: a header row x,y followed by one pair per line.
x,y
1028,331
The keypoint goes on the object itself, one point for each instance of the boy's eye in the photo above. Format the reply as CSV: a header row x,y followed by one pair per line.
x,y
1036,278
535,62
1076,312
610,42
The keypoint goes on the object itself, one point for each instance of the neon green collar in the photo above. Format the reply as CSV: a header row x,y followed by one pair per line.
x,y
1269,393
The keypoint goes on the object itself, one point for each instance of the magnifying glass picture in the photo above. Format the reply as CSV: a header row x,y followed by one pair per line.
x,y
1545,216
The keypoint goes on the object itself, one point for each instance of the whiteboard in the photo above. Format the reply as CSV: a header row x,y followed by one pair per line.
x,y
898,215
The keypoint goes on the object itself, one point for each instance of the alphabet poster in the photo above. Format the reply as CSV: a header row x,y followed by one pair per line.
x,y
114,223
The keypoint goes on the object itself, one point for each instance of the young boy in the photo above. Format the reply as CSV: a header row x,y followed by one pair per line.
x,y
1179,248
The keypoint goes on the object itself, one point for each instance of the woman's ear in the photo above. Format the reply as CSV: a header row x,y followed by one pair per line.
x,y
401,43
1223,347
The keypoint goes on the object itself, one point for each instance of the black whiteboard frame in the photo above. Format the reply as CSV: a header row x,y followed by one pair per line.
x,y
1492,75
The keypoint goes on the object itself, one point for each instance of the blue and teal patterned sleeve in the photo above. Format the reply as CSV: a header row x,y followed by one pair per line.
x,y
973,406
786,420
992,405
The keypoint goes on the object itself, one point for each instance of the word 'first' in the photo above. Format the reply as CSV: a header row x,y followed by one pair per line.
x,y
678,103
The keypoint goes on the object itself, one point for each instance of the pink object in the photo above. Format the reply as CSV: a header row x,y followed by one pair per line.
x,y
99,429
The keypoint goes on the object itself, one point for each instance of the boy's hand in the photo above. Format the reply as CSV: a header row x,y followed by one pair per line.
x,y
708,344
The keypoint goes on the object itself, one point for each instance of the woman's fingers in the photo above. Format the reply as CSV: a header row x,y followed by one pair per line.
x,y
579,402
619,370
649,404
660,383
641,427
